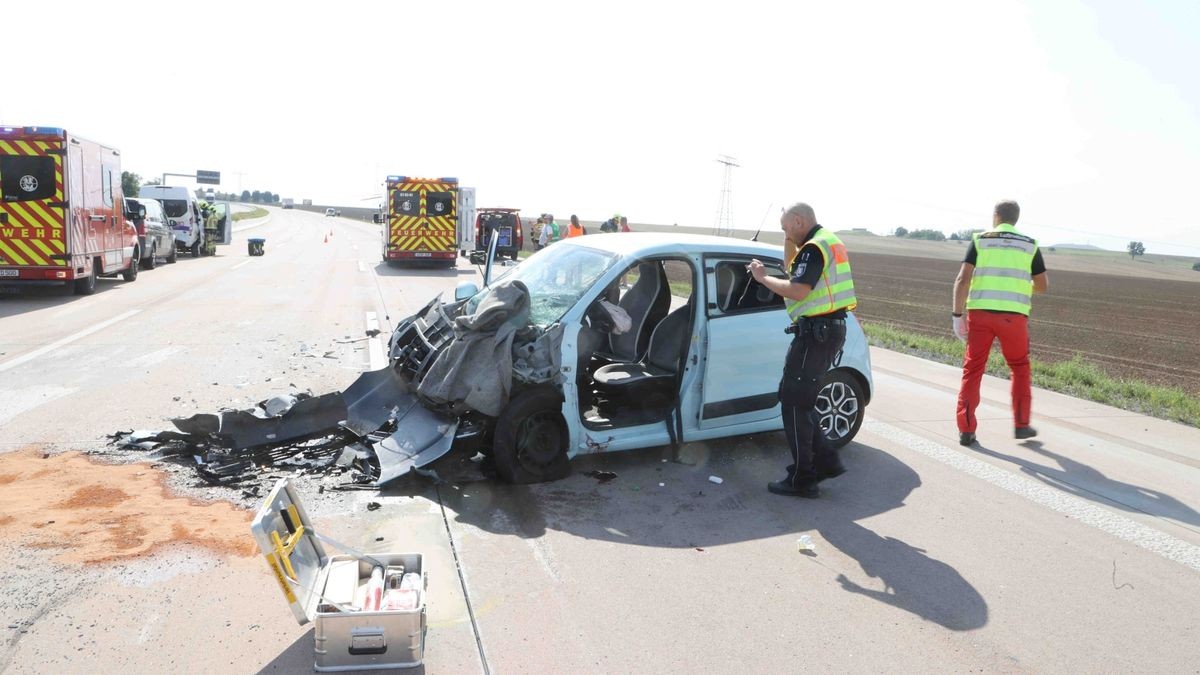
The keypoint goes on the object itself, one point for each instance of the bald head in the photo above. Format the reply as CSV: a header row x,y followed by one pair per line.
x,y
797,221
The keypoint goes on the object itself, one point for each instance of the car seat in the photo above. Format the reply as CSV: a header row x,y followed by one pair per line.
x,y
646,303
726,285
655,372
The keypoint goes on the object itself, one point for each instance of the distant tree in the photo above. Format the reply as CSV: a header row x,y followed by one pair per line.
x,y
267,197
901,232
276,199
152,181
130,183
256,196
954,236
245,195
930,235
966,235
1135,249
1196,266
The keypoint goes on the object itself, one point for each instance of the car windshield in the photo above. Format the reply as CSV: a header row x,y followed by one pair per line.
x,y
556,278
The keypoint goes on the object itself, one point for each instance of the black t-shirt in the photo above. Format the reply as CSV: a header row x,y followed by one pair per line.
x,y
1038,266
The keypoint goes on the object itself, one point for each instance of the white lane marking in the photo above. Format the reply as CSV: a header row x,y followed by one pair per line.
x,y
13,402
376,358
1119,526
244,262
25,358
362,266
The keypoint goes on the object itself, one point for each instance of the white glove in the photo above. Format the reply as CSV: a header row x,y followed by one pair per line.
x,y
959,327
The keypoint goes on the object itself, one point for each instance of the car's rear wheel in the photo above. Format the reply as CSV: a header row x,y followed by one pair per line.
x,y
87,285
530,439
840,407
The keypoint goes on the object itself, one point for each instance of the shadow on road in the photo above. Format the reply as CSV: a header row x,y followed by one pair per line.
x,y
688,511
299,657
1081,480
420,270
16,300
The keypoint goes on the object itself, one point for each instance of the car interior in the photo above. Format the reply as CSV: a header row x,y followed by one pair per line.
x,y
629,378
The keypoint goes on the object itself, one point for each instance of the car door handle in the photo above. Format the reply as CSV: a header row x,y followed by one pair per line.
x,y
97,219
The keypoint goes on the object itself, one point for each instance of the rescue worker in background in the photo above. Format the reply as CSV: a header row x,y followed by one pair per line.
x,y
610,225
1000,273
818,292
536,231
574,229
549,231
624,227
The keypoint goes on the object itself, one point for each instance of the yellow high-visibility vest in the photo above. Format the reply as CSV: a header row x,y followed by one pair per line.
x,y
1002,279
835,289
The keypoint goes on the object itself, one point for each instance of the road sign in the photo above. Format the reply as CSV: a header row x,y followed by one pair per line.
x,y
210,177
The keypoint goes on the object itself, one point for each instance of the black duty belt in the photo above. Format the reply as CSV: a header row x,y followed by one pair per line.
x,y
805,324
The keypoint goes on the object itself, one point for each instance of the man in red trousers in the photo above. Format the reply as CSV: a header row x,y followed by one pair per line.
x,y
1000,273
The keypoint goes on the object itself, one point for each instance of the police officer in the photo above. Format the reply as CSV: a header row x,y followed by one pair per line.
x,y
999,275
818,293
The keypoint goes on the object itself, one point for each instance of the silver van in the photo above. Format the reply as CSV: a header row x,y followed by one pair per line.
x,y
154,232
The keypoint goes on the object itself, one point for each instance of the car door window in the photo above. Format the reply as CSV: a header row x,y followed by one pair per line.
x,y
733,291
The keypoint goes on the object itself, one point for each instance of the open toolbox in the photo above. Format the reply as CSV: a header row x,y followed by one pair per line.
x,y
368,610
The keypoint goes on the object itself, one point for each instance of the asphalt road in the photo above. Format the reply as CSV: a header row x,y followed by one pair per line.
x,y
1079,551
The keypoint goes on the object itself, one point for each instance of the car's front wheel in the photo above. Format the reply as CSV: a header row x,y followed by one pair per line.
x,y
530,439
174,254
840,407
135,264
151,261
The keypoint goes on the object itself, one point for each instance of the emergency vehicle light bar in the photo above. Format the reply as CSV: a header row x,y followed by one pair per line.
x,y
45,131
397,179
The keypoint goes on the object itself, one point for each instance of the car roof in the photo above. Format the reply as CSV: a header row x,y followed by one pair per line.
x,y
642,244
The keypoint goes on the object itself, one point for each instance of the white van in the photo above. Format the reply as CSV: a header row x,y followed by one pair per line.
x,y
183,213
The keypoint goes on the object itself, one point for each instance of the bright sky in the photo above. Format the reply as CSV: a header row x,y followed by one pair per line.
x,y
921,114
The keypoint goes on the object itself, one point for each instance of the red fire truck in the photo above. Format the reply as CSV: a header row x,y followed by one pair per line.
x,y
62,219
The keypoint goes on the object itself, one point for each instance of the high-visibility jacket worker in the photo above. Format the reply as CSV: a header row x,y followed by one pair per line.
x,y
819,291
1002,270
574,229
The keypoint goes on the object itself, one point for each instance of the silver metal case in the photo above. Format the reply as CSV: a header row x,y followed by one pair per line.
x,y
343,640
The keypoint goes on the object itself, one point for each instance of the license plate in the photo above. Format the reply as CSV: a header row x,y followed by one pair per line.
x,y
423,255
10,273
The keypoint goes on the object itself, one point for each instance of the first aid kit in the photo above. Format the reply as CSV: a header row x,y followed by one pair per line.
x,y
368,609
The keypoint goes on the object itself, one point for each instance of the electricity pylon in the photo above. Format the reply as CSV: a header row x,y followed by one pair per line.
x,y
724,226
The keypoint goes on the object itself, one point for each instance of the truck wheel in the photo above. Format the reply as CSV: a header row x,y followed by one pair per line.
x,y
840,406
174,254
87,285
530,440
131,272
151,261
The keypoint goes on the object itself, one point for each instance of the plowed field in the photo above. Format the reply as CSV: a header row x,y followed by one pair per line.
x,y
1148,329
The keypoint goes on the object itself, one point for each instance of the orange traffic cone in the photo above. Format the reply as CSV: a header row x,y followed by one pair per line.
x,y
326,239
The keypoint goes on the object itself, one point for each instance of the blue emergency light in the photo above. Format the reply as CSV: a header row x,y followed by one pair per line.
x,y
397,179
44,131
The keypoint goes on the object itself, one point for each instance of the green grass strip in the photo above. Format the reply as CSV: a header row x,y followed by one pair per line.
x,y
1076,377
244,215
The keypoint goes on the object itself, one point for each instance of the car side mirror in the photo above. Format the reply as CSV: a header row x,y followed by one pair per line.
x,y
466,289
478,257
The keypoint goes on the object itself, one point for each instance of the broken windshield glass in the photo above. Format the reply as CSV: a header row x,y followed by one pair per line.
x,y
556,278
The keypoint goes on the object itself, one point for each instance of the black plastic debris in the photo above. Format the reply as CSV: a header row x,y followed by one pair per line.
x,y
601,476
374,506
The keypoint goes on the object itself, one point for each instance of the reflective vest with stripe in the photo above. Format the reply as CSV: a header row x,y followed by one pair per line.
x,y
1002,280
835,289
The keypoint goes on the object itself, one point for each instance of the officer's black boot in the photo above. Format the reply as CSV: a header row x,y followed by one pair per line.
x,y
828,465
